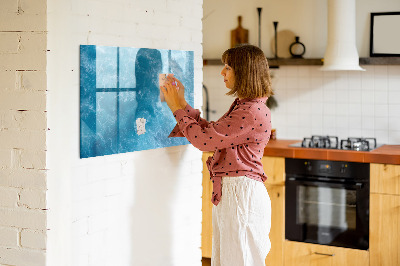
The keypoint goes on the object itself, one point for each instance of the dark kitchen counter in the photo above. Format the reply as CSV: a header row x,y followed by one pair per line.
x,y
389,154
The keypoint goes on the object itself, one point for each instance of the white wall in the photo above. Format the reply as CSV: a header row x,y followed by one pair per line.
x,y
23,133
311,102
140,208
306,19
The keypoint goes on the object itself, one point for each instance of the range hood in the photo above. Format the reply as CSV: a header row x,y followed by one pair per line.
x,y
341,51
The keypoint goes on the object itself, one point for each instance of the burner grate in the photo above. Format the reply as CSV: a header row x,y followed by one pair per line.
x,y
358,144
327,142
332,142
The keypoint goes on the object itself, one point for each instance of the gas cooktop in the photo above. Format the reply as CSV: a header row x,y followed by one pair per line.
x,y
332,142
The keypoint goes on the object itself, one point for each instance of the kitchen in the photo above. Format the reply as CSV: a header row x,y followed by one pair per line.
x,y
100,209
315,103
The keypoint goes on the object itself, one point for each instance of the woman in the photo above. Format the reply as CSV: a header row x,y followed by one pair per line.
x,y
242,211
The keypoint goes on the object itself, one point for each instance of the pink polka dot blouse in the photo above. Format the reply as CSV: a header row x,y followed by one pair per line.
x,y
238,139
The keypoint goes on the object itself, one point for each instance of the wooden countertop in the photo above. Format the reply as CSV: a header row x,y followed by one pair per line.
x,y
389,154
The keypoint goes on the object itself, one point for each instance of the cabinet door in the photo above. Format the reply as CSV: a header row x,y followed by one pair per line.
x,y
385,178
274,168
277,233
384,230
206,225
304,254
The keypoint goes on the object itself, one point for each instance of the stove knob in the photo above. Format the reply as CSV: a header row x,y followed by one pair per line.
x,y
343,168
308,166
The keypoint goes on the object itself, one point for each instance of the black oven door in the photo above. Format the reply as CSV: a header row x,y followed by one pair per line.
x,y
327,212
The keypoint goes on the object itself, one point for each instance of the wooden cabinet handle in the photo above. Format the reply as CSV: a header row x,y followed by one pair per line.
x,y
324,254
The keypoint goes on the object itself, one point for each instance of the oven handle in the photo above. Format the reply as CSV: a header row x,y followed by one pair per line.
x,y
357,185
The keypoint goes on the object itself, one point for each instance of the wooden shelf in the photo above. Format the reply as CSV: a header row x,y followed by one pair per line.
x,y
380,61
274,63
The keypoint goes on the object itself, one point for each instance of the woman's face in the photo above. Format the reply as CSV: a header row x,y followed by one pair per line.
x,y
229,76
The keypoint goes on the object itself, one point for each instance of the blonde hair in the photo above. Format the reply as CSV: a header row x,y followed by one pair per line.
x,y
250,66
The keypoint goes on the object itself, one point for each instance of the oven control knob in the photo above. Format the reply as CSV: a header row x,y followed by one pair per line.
x,y
308,166
343,168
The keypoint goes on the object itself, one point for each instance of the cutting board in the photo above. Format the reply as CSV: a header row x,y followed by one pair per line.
x,y
239,35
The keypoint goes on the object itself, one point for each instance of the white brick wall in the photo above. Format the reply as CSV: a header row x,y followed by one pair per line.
x,y
9,237
140,208
33,239
23,132
99,208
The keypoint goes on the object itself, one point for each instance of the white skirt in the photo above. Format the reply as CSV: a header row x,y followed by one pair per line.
x,y
241,223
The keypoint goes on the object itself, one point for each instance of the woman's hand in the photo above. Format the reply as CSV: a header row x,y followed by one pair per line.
x,y
181,90
172,94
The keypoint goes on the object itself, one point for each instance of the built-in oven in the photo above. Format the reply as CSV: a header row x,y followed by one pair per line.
x,y
327,202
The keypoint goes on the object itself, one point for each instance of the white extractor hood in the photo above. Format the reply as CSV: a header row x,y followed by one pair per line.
x,y
341,51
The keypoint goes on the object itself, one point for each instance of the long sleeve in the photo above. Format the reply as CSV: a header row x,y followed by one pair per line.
x,y
232,130
193,113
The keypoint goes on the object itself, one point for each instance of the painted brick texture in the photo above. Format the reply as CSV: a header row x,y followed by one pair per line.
x,y
95,203
140,208
23,218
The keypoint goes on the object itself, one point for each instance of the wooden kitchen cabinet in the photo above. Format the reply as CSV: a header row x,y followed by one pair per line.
x,y
384,236
277,233
305,254
385,215
385,178
206,225
274,168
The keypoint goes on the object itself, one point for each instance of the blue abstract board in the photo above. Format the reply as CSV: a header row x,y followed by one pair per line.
x,y
120,106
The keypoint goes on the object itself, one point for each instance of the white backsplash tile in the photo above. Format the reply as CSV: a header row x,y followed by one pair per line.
x,y
381,97
367,110
381,71
291,71
367,96
304,82
342,109
381,122
355,132
394,137
355,109
343,103
355,96
342,122
381,83
292,82
394,123
394,110
304,72
381,110
394,97
394,82
393,71
329,109
368,123
343,96
382,136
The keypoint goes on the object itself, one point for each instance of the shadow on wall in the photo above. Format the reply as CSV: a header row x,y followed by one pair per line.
x,y
152,223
